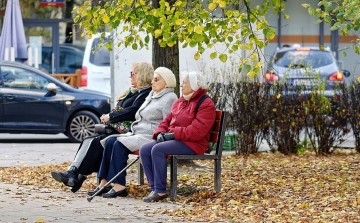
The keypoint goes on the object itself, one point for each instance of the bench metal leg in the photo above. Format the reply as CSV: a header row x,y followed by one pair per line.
x,y
217,175
173,178
140,169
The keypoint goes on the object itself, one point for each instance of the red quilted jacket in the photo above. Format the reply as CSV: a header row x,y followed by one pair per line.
x,y
189,127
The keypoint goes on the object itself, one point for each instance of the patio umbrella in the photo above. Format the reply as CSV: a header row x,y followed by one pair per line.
x,y
13,34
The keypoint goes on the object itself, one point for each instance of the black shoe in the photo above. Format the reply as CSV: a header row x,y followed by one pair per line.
x,y
80,180
112,193
105,190
154,197
147,197
68,177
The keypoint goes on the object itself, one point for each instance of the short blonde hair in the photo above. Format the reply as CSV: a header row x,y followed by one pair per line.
x,y
145,73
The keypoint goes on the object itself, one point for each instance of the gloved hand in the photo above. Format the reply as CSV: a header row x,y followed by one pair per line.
x,y
169,136
162,137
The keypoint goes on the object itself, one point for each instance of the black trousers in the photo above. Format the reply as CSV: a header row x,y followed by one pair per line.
x,y
94,153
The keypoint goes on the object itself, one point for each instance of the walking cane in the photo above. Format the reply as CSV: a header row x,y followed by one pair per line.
x,y
110,181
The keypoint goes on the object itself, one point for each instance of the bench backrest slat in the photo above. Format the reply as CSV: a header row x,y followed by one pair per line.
x,y
218,131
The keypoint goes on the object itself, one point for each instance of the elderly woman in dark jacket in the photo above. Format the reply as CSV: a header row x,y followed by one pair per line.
x,y
89,155
118,147
183,132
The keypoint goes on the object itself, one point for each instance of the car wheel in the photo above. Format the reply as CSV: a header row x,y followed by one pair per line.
x,y
81,125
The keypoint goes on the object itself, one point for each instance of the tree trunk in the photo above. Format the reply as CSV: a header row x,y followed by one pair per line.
x,y
68,14
166,56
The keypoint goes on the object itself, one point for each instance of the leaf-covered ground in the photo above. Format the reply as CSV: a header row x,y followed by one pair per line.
x,y
263,187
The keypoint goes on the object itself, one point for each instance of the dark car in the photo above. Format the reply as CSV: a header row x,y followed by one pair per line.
x,y
33,102
70,58
306,67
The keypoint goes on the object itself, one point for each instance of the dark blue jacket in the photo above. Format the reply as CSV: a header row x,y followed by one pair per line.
x,y
130,104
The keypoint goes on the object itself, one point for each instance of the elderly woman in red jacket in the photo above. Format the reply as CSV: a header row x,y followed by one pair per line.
x,y
184,131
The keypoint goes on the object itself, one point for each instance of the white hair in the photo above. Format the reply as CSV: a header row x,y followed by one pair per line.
x,y
200,78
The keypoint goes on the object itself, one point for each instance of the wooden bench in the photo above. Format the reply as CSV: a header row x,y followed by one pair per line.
x,y
216,137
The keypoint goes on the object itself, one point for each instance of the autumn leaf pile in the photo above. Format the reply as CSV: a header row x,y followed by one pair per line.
x,y
264,187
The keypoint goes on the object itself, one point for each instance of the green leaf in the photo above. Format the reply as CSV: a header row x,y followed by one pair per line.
x,y
197,56
357,49
147,39
311,11
269,33
192,44
235,47
223,57
134,46
198,38
163,44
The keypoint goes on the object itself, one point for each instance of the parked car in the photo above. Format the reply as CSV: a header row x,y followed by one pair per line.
x,y
306,67
70,56
32,101
96,71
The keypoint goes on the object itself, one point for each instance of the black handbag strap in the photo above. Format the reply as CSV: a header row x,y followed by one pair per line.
x,y
201,101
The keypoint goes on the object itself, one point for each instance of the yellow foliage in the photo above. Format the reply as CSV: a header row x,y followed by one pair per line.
x,y
39,220
105,19
197,56
258,64
158,32
170,44
178,22
212,6
248,46
252,74
199,29
222,4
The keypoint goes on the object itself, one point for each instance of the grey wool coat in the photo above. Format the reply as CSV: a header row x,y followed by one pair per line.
x,y
148,117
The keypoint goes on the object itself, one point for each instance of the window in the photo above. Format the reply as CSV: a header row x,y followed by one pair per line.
x,y
311,58
99,56
23,79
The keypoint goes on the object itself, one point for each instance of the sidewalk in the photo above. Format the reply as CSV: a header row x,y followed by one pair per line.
x,y
28,204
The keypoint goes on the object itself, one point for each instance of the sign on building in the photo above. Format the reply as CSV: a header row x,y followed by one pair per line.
x,y
58,3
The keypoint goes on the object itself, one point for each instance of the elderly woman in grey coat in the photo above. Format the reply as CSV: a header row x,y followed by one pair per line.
x,y
118,147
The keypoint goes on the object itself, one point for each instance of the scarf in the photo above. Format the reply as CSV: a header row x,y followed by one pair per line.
x,y
188,96
132,90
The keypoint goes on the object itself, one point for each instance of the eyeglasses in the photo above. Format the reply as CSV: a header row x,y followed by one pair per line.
x,y
156,79
132,73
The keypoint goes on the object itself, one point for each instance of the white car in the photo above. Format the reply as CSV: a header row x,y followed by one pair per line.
x,y
96,70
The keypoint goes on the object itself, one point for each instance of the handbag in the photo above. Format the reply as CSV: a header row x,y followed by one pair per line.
x,y
102,128
112,128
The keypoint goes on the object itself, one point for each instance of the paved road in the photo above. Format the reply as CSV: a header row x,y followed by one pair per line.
x,y
35,150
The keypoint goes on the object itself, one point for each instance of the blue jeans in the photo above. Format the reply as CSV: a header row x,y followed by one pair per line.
x,y
153,158
114,159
